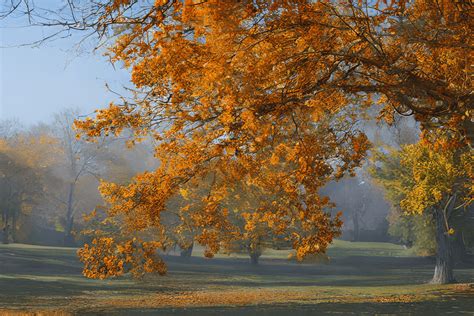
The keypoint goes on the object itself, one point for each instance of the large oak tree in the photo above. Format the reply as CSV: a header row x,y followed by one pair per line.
x,y
264,93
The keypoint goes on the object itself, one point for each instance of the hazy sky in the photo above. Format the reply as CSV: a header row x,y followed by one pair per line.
x,y
39,81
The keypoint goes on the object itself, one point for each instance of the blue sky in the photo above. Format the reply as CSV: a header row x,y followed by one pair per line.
x,y
37,82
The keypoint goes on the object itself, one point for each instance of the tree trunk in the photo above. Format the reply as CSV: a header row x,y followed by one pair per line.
x,y
6,228
68,237
254,258
254,252
13,228
355,221
187,252
6,233
443,273
69,240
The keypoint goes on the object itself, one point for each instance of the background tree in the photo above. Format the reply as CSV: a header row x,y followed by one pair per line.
x,y
23,172
40,197
80,166
78,160
362,205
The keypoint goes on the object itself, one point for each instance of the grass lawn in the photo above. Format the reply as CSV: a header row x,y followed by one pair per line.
x,y
361,278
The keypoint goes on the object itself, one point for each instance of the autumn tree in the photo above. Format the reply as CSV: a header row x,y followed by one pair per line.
x,y
432,177
277,171
242,85
253,231
227,83
23,173
18,188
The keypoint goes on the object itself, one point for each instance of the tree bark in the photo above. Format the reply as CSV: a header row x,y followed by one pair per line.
x,y
443,273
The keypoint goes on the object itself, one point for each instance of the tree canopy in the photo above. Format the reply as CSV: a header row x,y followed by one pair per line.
x,y
265,93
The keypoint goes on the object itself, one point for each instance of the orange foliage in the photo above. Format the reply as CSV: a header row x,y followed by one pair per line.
x,y
262,93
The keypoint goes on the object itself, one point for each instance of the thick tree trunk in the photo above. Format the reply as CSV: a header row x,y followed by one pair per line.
x,y
187,252
443,273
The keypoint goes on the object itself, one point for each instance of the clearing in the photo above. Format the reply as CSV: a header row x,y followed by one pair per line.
x,y
361,278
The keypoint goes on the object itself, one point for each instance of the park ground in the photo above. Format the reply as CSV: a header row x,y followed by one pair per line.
x,y
360,278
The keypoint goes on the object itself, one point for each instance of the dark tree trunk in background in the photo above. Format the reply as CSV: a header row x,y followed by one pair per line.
x,y
254,258
6,228
68,237
355,221
13,228
443,273
187,252
69,240
254,252
6,233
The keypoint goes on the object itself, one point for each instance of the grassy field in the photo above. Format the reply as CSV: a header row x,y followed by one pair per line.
x,y
361,278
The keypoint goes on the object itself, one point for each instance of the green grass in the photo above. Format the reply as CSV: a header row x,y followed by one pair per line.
x,y
366,278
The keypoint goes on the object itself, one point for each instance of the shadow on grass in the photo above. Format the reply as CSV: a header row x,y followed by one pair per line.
x,y
31,277
458,305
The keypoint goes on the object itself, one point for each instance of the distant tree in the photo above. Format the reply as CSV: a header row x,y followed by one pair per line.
x,y
351,196
254,235
416,231
177,219
78,160
361,203
80,166
23,172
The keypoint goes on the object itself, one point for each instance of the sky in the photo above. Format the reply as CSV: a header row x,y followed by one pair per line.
x,y
36,82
